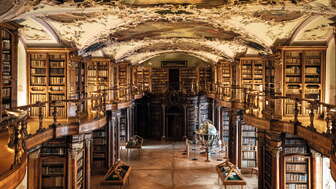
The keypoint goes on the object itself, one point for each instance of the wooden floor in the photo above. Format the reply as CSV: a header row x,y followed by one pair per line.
x,y
165,166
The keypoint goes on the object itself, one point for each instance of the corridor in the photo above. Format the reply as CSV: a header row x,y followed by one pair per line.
x,y
163,165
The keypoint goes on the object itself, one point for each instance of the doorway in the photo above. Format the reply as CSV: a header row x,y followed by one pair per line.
x,y
174,79
175,123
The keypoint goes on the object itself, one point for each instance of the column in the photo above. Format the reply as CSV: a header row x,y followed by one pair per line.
x,y
87,145
185,122
117,134
33,168
219,121
233,138
273,145
213,111
261,159
163,106
128,130
316,170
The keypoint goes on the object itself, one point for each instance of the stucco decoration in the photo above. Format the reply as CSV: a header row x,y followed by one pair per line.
x,y
122,29
34,32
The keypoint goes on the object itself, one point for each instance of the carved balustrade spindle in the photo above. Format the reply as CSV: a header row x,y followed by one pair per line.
x,y
40,116
296,111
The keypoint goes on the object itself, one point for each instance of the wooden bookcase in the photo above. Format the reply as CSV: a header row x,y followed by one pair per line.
x,y
100,150
8,68
53,164
252,73
51,77
249,153
123,79
159,80
143,77
224,73
188,78
303,76
296,157
98,74
205,77
226,130
123,125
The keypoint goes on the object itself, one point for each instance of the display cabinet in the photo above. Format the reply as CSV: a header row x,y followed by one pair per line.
x,y
230,176
8,62
118,174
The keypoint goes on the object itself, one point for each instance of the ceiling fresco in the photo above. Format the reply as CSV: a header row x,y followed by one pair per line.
x,y
212,29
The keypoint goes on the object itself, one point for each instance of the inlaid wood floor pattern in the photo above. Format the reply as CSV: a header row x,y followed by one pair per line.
x,y
163,165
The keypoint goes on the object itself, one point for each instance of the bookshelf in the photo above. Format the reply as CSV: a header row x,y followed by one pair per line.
x,y
205,77
49,79
97,76
53,162
296,163
123,125
249,145
304,71
8,60
188,77
100,150
252,72
226,131
225,73
124,78
159,80
143,77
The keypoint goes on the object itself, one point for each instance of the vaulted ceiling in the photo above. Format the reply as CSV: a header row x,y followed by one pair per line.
x,y
134,30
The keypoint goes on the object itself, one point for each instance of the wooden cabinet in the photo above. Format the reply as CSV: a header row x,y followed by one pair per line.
x,y
8,62
98,74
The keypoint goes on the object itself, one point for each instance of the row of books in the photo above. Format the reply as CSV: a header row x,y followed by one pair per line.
x,y
249,141
37,56
294,141
57,80
293,79
312,70
57,88
38,63
57,56
296,177
53,182
56,71
56,96
56,64
53,151
99,141
38,71
293,70
296,167
295,150
38,80
296,186
249,155
296,159
248,163
52,169
312,79
6,92
248,148
5,57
